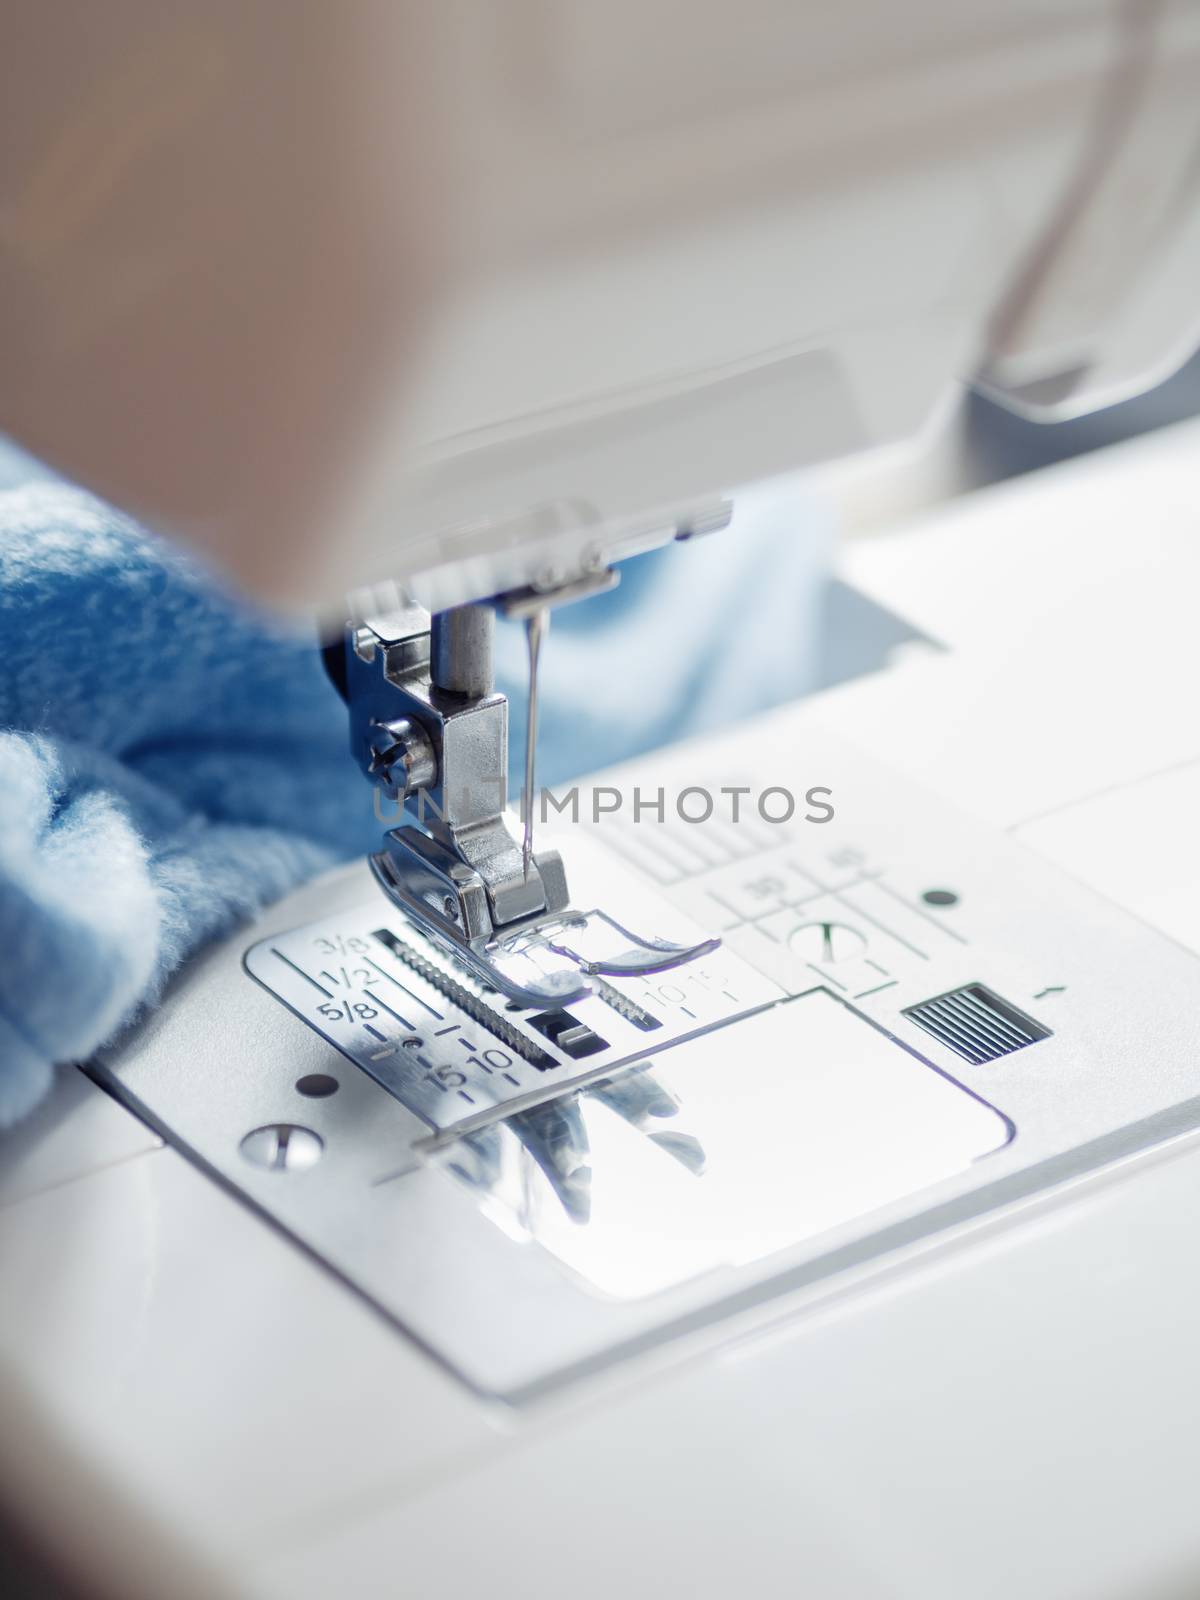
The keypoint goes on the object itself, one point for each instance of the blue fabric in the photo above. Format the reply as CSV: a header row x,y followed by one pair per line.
x,y
170,761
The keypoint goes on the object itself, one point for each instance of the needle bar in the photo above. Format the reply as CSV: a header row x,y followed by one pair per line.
x,y
537,625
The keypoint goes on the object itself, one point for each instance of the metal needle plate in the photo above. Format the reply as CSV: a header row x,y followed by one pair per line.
x,y
452,1053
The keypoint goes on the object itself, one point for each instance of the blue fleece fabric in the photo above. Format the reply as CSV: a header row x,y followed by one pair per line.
x,y
168,763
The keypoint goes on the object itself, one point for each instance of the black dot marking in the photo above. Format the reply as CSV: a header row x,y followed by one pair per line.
x,y
317,1085
940,897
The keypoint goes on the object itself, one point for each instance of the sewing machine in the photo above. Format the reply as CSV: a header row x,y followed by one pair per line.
x,y
806,1203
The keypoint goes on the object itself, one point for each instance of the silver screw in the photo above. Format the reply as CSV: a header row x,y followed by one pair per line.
x,y
402,758
282,1147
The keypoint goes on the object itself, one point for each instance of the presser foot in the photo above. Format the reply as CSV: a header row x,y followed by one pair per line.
x,y
543,958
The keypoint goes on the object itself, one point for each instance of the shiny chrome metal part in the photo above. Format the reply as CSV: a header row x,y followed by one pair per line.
x,y
421,874
536,626
428,726
439,1036
542,960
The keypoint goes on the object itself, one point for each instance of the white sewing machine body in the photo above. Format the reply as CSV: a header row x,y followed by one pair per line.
x,y
858,1256
984,1378
542,282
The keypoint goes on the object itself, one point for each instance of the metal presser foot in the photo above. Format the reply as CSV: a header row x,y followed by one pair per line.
x,y
427,725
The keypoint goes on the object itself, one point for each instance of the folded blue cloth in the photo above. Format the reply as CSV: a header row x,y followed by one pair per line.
x,y
170,760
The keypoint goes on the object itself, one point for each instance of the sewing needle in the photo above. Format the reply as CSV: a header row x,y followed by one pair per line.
x,y
537,625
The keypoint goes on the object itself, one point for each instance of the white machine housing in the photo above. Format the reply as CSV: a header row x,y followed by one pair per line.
x,y
572,270
488,293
